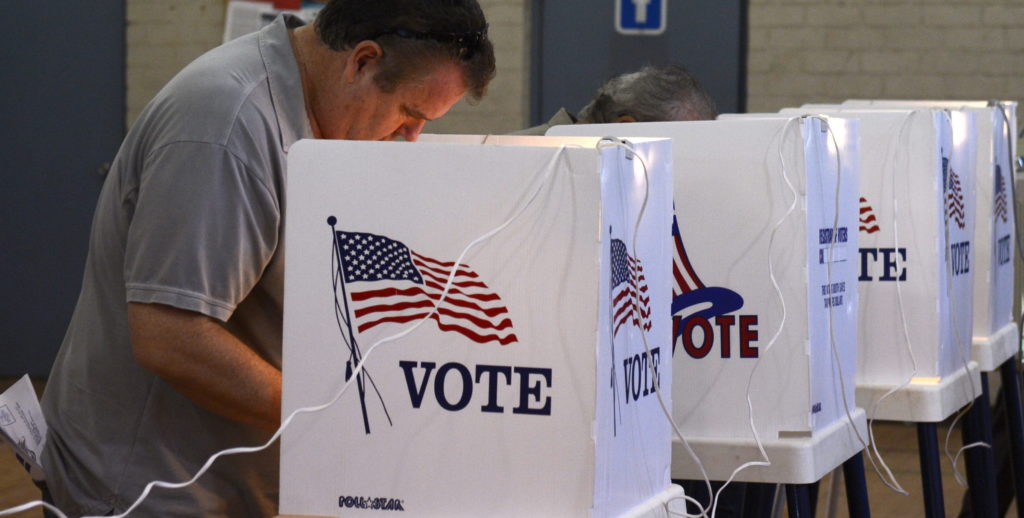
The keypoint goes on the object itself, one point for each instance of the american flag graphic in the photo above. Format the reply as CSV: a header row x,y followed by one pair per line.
x,y
684,277
691,298
867,217
630,301
1001,207
955,200
390,283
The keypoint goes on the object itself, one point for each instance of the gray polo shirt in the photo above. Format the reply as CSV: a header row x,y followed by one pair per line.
x,y
191,216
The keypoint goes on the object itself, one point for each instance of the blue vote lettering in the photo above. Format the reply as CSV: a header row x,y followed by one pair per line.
x,y
532,382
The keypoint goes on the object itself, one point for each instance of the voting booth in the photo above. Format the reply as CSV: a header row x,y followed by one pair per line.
x,y
493,307
994,333
916,261
734,238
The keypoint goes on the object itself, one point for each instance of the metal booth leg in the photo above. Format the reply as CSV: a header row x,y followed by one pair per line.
x,y
931,474
856,487
798,501
1015,425
980,461
759,500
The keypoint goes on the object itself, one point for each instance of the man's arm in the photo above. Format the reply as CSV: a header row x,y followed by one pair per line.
x,y
201,359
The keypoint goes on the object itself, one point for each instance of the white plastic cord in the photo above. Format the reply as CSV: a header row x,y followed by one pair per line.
x,y
835,353
688,499
355,372
958,342
782,324
616,142
837,361
892,483
771,272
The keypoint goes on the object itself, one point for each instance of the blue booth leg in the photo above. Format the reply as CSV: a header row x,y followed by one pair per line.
x,y
856,487
798,501
981,477
758,500
1015,425
931,474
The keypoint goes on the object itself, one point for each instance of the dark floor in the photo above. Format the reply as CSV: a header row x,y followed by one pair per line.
x,y
897,443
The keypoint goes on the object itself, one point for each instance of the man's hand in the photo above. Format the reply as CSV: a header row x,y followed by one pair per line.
x,y
201,359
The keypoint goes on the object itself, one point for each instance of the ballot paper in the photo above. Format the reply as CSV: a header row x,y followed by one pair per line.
x,y
22,425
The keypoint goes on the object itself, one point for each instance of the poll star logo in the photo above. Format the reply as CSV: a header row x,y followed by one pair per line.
x,y
867,217
688,293
1000,205
377,280
954,195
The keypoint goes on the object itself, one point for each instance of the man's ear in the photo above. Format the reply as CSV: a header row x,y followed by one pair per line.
x,y
362,59
626,118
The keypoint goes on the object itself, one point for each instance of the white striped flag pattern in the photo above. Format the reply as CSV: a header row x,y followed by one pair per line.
x,y
955,200
390,283
630,301
867,217
684,277
1001,207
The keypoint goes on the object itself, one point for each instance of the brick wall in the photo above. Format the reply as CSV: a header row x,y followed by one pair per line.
x,y
163,37
813,51
506,106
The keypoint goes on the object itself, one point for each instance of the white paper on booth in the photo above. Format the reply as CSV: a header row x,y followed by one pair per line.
x,y
957,134
634,436
22,425
833,187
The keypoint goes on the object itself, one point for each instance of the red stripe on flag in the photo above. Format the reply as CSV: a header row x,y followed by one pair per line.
x,y
434,297
468,333
463,269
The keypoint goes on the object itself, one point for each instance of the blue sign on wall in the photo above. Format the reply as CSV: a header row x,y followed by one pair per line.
x,y
643,17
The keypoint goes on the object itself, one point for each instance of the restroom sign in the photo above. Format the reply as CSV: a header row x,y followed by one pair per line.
x,y
640,17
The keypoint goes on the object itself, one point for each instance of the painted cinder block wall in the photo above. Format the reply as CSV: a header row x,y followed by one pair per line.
x,y
164,36
799,51
826,51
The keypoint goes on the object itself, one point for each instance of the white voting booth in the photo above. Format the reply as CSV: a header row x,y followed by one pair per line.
x,y
916,261
531,390
730,193
995,331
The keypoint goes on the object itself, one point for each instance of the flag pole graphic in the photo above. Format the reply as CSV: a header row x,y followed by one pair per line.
x,y
615,389
354,354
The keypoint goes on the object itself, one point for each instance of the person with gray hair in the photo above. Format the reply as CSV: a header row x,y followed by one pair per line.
x,y
651,94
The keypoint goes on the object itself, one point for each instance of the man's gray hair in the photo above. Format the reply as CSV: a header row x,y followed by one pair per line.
x,y
651,94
